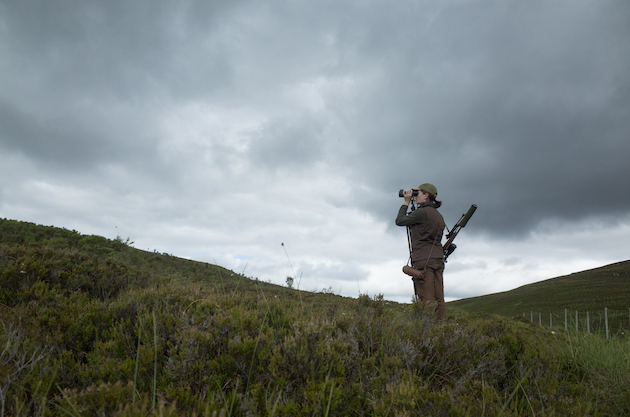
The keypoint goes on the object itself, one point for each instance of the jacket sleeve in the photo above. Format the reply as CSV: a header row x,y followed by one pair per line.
x,y
417,216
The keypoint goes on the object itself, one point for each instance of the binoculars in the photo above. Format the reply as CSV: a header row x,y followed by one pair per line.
x,y
401,192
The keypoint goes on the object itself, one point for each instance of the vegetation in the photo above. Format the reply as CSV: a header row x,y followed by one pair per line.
x,y
91,326
608,286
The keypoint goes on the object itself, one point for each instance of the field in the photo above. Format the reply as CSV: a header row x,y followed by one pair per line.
x,y
608,286
91,326
555,300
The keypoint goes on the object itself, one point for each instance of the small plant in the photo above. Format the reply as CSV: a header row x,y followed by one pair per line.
x,y
18,359
328,290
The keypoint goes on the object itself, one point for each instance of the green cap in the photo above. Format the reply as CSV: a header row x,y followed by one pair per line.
x,y
426,187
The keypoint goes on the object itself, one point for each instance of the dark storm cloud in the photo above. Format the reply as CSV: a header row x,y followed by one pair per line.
x,y
88,84
120,50
518,110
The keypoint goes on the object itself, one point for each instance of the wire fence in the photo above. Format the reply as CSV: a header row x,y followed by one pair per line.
x,y
605,322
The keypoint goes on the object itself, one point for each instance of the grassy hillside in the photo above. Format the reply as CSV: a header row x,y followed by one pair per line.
x,y
91,326
592,290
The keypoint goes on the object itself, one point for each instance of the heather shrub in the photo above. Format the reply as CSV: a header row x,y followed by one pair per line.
x,y
102,278
262,354
23,363
127,332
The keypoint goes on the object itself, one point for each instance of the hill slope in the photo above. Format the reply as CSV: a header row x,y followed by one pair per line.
x,y
594,289
30,235
92,326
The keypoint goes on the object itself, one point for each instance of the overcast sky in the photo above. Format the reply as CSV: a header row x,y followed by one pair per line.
x,y
220,130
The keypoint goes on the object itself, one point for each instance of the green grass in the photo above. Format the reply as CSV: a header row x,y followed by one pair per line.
x,y
606,363
101,328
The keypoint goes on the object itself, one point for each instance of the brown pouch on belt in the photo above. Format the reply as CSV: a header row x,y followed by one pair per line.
x,y
412,272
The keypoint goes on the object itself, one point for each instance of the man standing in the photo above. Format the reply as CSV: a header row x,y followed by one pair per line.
x,y
425,228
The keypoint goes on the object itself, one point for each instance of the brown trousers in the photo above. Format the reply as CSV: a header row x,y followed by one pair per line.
x,y
431,287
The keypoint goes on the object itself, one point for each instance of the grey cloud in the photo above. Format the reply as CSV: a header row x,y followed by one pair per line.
x,y
87,85
516,120
81,140
292,143
348,272
519,107
163,114
124,50
50,139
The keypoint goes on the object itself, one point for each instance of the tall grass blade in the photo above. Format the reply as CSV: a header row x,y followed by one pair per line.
x,y
294,276
154,362
65,396
135,374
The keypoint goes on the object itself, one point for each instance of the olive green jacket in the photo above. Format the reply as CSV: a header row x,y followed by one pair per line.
x,y
426,226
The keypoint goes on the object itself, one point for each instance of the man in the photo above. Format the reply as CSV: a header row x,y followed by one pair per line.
x,y
426,227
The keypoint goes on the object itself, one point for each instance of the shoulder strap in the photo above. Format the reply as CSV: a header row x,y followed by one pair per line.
x,y
432,246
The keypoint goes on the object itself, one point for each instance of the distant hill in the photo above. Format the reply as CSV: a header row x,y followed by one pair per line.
x,y
594,289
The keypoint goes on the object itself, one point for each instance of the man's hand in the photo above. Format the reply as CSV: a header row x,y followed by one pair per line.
x,y
408,194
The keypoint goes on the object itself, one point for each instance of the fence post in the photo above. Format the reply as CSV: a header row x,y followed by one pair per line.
x,y
540,319
588,323
606,317
531,316
550,323
565,320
